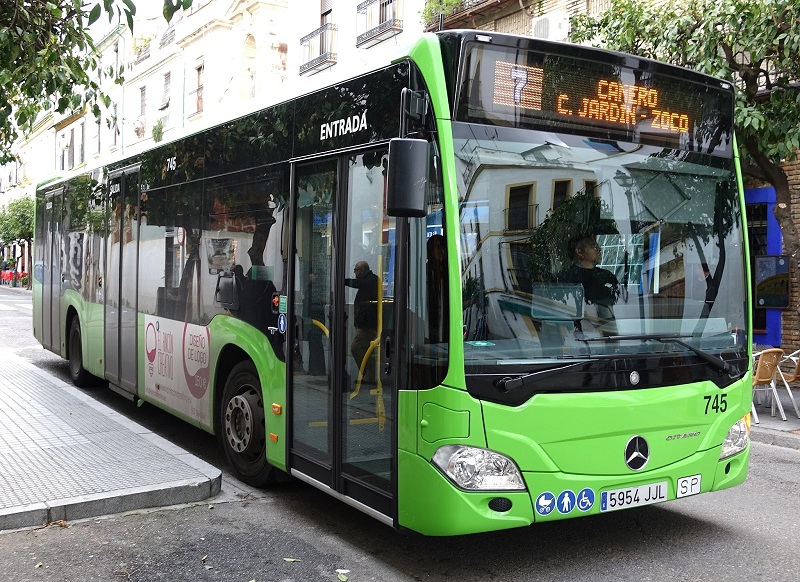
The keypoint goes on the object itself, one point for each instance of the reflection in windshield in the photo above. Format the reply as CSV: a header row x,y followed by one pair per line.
x,y
566,238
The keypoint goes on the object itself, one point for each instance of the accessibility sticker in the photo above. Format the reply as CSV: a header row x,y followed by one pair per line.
x,y
545,503
585,499
566,501
282,323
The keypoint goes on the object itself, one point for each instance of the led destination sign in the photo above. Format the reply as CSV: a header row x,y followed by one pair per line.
x,y
612,101
624,104
514,87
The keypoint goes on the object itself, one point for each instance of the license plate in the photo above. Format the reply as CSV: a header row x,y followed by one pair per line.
x,y
633,496
688,486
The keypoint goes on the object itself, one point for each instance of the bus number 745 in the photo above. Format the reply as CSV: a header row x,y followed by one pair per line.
x,y
718,403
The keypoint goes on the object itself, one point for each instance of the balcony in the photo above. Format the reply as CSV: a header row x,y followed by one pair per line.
x,y
142,53
465,14
319,49
597,7
378,19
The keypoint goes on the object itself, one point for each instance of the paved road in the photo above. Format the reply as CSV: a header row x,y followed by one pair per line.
x,y
749,532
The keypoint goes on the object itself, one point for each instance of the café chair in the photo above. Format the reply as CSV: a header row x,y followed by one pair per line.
x,y
766,368
791,377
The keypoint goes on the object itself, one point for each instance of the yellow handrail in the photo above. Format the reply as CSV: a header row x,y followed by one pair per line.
x,y
321,325
374,345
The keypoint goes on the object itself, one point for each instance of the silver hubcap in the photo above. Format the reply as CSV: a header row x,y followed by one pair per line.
x,y
239,422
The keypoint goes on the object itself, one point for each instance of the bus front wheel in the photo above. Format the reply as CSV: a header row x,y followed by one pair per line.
x,y
80,377
242,428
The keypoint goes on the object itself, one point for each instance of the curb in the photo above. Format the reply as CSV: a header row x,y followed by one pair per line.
x,y
86,506
778,438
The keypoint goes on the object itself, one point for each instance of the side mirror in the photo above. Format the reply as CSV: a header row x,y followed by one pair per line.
x,y
407,177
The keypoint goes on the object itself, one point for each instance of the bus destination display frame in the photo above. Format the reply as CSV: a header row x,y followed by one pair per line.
x,y
532,89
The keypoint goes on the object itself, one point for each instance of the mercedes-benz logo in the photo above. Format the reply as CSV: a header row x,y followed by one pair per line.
x,y
637,453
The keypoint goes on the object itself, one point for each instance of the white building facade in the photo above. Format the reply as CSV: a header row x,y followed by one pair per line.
x,y
224,58
338,39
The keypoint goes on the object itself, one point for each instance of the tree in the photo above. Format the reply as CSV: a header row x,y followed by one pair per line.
x,y
433,8
6,236
751,43
16,224
48,59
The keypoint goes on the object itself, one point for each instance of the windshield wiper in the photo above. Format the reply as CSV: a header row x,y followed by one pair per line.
x,y
714,361
507,384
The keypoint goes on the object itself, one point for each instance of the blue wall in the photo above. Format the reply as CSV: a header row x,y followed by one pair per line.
x,y
774,247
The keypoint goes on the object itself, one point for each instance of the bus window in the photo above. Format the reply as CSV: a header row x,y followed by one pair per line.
x,y
242,246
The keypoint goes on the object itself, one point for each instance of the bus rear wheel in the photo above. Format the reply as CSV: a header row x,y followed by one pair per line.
x,y
80,377
242,428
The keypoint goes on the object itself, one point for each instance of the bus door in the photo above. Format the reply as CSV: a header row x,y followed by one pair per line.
x,y
52,272
121,279
342,399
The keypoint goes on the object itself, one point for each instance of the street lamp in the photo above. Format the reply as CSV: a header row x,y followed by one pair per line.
x,y
624,180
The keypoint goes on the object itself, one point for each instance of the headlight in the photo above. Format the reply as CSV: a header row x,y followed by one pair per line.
x,y
737,438
477,469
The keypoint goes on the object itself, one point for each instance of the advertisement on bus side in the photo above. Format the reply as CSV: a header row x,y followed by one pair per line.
x,y
177,371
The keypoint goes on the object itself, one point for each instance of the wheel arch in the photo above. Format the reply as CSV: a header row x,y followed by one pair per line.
x,y
72,306
229,357
234,342
72,313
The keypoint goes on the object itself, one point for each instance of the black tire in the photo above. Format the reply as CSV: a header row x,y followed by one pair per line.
x,y
242,427
80,377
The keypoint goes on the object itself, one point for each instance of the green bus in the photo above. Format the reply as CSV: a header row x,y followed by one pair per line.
x,y
499,281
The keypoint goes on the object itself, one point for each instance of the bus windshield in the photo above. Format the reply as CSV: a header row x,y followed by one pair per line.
x,y
576,247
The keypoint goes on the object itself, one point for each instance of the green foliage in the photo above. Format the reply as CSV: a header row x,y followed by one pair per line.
x,y
48,59
158,131
170,7
85,210
6,236
435,7
16,221
752,43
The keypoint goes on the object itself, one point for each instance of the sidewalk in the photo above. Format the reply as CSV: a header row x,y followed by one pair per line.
x,y
18,289
773,430
64,456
